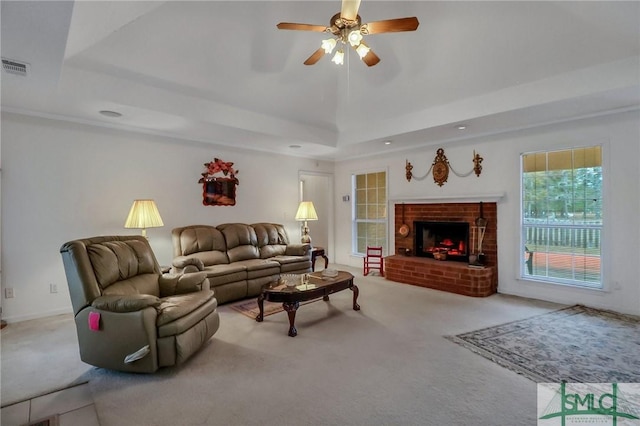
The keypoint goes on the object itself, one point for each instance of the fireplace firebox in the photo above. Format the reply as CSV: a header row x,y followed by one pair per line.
x,y
442,240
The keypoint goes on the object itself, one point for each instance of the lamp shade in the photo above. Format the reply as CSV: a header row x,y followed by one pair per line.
x,y
306,211
338,58
355,37
329,44
143,214
362,50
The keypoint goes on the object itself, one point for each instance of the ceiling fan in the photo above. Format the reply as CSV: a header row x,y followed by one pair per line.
x,y
347,28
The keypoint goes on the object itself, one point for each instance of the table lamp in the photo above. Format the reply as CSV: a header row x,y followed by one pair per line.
x,y
306,212
143,214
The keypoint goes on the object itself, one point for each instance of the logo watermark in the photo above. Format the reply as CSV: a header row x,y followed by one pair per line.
x,y
592,404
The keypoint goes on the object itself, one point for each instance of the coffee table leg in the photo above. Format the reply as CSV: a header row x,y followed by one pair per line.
x,y
356,292
291,308
260,316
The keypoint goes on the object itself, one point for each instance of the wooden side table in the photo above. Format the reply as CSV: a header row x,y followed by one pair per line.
x,y
318,252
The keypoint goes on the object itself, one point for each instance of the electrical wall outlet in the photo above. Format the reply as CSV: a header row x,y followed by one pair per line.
x,y
8,293
53,288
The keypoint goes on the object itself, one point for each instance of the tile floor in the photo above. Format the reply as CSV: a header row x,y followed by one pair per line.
x,y
73,405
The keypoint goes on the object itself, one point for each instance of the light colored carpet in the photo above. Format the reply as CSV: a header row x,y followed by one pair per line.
x,y
575,344
39,356
385,364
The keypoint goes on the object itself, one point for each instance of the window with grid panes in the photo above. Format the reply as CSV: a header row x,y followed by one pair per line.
x,y
562,216
369,211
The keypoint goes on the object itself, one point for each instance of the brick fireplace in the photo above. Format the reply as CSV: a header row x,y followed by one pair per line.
x,y
446,275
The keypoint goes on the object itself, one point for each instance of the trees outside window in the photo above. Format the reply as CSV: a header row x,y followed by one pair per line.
x,y
562,216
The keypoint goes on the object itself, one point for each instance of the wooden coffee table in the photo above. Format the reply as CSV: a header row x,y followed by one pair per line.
x,y
292,296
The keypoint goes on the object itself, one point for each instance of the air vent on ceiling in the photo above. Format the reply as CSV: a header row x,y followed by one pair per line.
x,y
15,67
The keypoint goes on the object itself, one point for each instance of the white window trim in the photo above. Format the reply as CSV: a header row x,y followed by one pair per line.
x,y
354,243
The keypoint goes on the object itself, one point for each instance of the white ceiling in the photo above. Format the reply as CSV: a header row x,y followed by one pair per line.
x,y
221,73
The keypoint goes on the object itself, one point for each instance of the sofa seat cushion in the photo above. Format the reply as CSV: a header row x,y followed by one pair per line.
x,y
257,264
224,274
283,260
188,321
219,270
174,307
296,267
260,267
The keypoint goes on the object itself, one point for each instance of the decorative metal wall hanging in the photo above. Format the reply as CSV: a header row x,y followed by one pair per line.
x,y
219,190
441,166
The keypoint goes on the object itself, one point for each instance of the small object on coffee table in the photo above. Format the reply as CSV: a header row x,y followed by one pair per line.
x,y
290,280
330,273
314,288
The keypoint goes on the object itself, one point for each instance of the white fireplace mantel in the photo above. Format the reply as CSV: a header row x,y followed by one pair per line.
x,y
469,198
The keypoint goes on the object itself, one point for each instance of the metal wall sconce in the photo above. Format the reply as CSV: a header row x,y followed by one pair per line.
x,y
441,166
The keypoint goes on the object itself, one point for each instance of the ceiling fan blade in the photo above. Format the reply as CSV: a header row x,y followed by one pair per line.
x,y
390,26
301,27
371,58
349,9
317,55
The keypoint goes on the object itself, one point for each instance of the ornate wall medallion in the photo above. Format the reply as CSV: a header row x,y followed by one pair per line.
x,y
440,167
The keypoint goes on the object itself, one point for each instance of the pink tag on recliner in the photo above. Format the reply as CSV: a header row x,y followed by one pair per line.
x,y
94,321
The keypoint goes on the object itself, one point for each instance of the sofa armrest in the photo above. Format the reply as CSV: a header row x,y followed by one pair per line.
x,y
182,262
298,250
171,284
125,303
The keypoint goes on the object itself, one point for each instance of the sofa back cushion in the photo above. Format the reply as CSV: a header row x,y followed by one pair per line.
x,y
204,242
242,243
272,239
116,261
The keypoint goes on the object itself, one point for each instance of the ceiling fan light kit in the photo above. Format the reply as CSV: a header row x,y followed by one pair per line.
x,y
348,29
329,44
363,50
338,58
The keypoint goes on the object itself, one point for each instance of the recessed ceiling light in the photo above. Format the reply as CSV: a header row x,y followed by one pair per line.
x,y
387,142
110,114
295,146
461,127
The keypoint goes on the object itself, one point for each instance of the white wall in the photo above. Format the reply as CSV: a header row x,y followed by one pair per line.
x,y
318,189
620,135
63,181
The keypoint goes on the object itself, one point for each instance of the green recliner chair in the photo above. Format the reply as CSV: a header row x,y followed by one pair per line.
x,y
128,315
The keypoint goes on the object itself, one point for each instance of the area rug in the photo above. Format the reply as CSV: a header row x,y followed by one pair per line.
x,y
575,344
250,309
